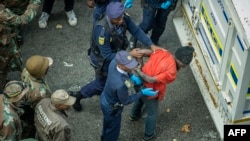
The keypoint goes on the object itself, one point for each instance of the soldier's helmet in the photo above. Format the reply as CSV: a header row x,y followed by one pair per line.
x,y
37,65
15,90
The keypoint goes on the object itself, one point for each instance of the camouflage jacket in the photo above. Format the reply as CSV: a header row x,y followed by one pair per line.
x,y
13,14
39,89
10,123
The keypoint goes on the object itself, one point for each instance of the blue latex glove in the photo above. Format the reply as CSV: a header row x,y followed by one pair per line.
x,y
165,5
149,92
128,3
136,79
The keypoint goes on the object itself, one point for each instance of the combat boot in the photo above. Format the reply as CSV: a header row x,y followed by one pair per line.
x,y
77,105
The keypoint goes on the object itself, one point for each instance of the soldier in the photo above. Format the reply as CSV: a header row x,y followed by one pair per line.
x,y
109,37
34,75
10,123
13,14
50,117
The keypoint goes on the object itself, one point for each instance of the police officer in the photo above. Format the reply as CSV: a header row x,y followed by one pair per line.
x,y
155,15
100,6
13,14
115,94
109,36
50,117
11,127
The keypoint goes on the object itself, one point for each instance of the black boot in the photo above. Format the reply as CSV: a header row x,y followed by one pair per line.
x,y
77,105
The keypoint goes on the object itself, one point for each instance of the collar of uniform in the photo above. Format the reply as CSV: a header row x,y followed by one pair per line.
x,y
61,112
121,71
52,107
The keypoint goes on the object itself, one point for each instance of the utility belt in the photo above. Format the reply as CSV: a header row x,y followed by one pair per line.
x,y
94,59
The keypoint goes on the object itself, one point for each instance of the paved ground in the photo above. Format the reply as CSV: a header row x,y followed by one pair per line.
x,y
183,104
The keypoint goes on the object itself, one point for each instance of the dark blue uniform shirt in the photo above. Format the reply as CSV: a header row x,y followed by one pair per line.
x,y
115,89
105,48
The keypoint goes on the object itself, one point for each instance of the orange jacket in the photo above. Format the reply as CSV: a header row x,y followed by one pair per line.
x,y
161,65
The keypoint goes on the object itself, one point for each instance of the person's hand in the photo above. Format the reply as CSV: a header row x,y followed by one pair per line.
x,y
136,79
136,53
165,5
128,3
149,92
91,3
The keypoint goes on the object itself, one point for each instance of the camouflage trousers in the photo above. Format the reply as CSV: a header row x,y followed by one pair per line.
x,y
10,59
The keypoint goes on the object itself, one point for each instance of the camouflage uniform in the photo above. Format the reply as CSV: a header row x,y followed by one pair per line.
x,y
34,75
10,123
39,88
13,14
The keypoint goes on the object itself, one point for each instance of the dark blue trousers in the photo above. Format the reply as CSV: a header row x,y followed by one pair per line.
x,y
95,87
155,20
111,123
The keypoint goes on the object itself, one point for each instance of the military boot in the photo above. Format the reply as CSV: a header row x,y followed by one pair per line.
x,y
77,105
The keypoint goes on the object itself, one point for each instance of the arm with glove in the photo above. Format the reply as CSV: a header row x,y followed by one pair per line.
x,y
128,3
136,79
149,92
166,5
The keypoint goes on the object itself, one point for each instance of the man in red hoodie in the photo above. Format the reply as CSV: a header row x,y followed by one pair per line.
x,y
160,70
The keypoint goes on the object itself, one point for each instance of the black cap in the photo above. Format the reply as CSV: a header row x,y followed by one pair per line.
x,y
184,54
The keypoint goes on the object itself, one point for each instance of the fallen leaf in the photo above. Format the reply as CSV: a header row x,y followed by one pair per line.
x,y
174,139
168,110
186,128
58,26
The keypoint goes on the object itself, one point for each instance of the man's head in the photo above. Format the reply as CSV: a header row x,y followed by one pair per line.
x,y
37,65
62,100
183,56
115,11
125,61
15,90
